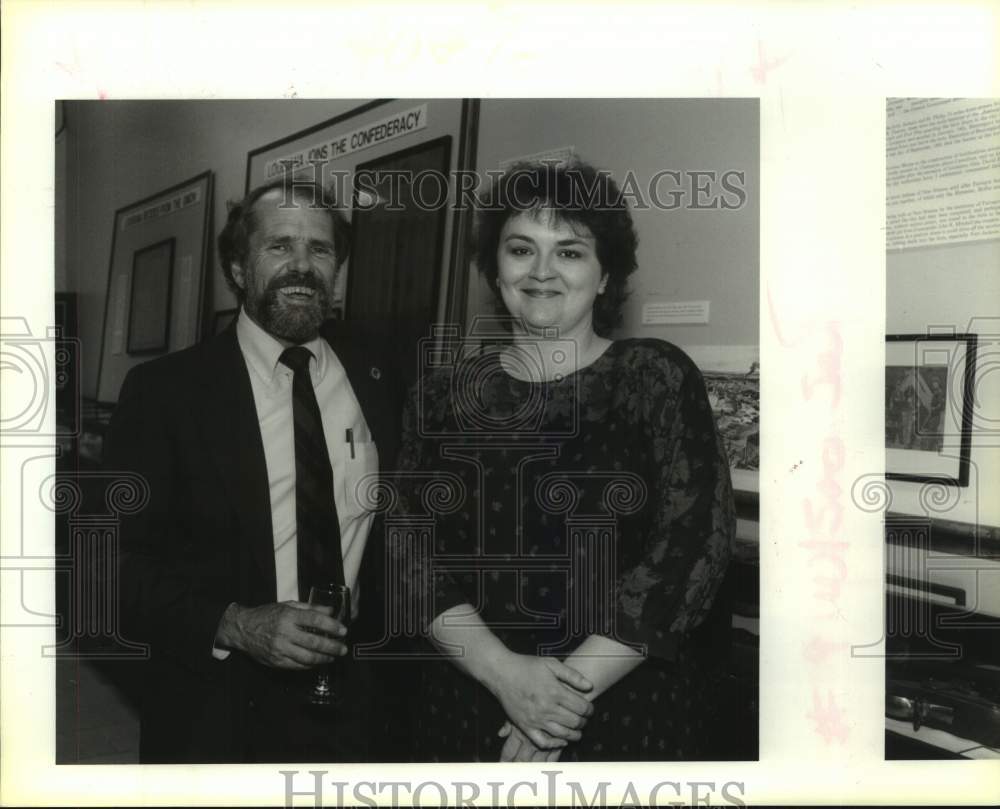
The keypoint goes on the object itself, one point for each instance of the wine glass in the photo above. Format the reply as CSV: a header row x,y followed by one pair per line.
x,y
335,600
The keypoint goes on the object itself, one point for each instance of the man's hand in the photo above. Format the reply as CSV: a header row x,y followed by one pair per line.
x,y
289,635
542,697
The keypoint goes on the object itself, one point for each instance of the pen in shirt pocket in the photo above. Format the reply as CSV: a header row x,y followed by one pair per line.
x,y
349,438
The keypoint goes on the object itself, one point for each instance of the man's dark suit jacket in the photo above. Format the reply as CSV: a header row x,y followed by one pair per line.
x,y
188,424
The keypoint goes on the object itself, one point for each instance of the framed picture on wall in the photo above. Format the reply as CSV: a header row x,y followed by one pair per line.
x,y
156,279
735,402
149,308
732,381
929,385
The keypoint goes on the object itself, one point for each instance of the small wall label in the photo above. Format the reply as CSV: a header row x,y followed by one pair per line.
x,y
675,313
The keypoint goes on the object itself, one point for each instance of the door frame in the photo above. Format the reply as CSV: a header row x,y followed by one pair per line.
x,y
443,140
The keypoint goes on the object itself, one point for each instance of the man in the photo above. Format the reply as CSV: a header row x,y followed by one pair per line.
x,y
254,445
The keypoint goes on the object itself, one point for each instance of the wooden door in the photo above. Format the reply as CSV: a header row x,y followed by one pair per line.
x,y
395,266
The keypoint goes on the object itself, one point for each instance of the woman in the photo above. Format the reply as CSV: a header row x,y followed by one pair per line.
x,y
590,514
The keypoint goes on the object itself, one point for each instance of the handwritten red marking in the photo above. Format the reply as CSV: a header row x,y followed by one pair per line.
x,y
830,507
775,318
819,650
823,510
828,718
829,365
764,65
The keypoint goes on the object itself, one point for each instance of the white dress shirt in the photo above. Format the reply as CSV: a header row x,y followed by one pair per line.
x,y
351,460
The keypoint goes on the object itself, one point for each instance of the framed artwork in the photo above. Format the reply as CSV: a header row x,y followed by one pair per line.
x,y
156,279
149,307
735,402
929,384
732,381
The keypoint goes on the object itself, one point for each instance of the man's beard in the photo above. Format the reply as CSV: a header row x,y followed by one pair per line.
x,y
296,322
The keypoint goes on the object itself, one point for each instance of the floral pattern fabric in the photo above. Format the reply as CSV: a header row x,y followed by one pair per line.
x,y
599,503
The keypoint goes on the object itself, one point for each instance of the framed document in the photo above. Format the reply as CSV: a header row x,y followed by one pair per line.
x,y
156,279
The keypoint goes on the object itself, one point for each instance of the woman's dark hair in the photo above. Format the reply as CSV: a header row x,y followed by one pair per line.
x,y
577,194
234,240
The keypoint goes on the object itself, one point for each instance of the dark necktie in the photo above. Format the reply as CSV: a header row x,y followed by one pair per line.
x,y
318,529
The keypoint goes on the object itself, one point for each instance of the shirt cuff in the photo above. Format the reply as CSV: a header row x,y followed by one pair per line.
x,y
220,653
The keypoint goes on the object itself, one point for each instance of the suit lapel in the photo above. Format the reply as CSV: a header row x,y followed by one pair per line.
x,y
232,433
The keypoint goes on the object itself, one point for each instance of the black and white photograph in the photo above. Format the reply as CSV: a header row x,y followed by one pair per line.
x,y
930,383
493,512
914,407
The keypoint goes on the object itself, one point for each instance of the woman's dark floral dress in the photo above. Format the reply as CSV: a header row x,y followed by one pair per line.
x,y
596,504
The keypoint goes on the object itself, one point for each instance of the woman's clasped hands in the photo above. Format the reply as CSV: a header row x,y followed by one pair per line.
x,y
545,703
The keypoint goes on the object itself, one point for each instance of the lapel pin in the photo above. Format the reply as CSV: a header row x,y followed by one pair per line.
x,y
376,373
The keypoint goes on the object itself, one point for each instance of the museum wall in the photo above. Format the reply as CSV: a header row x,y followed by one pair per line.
x,y
685,254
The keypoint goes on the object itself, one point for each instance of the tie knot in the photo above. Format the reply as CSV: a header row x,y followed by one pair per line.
x,y
297,358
